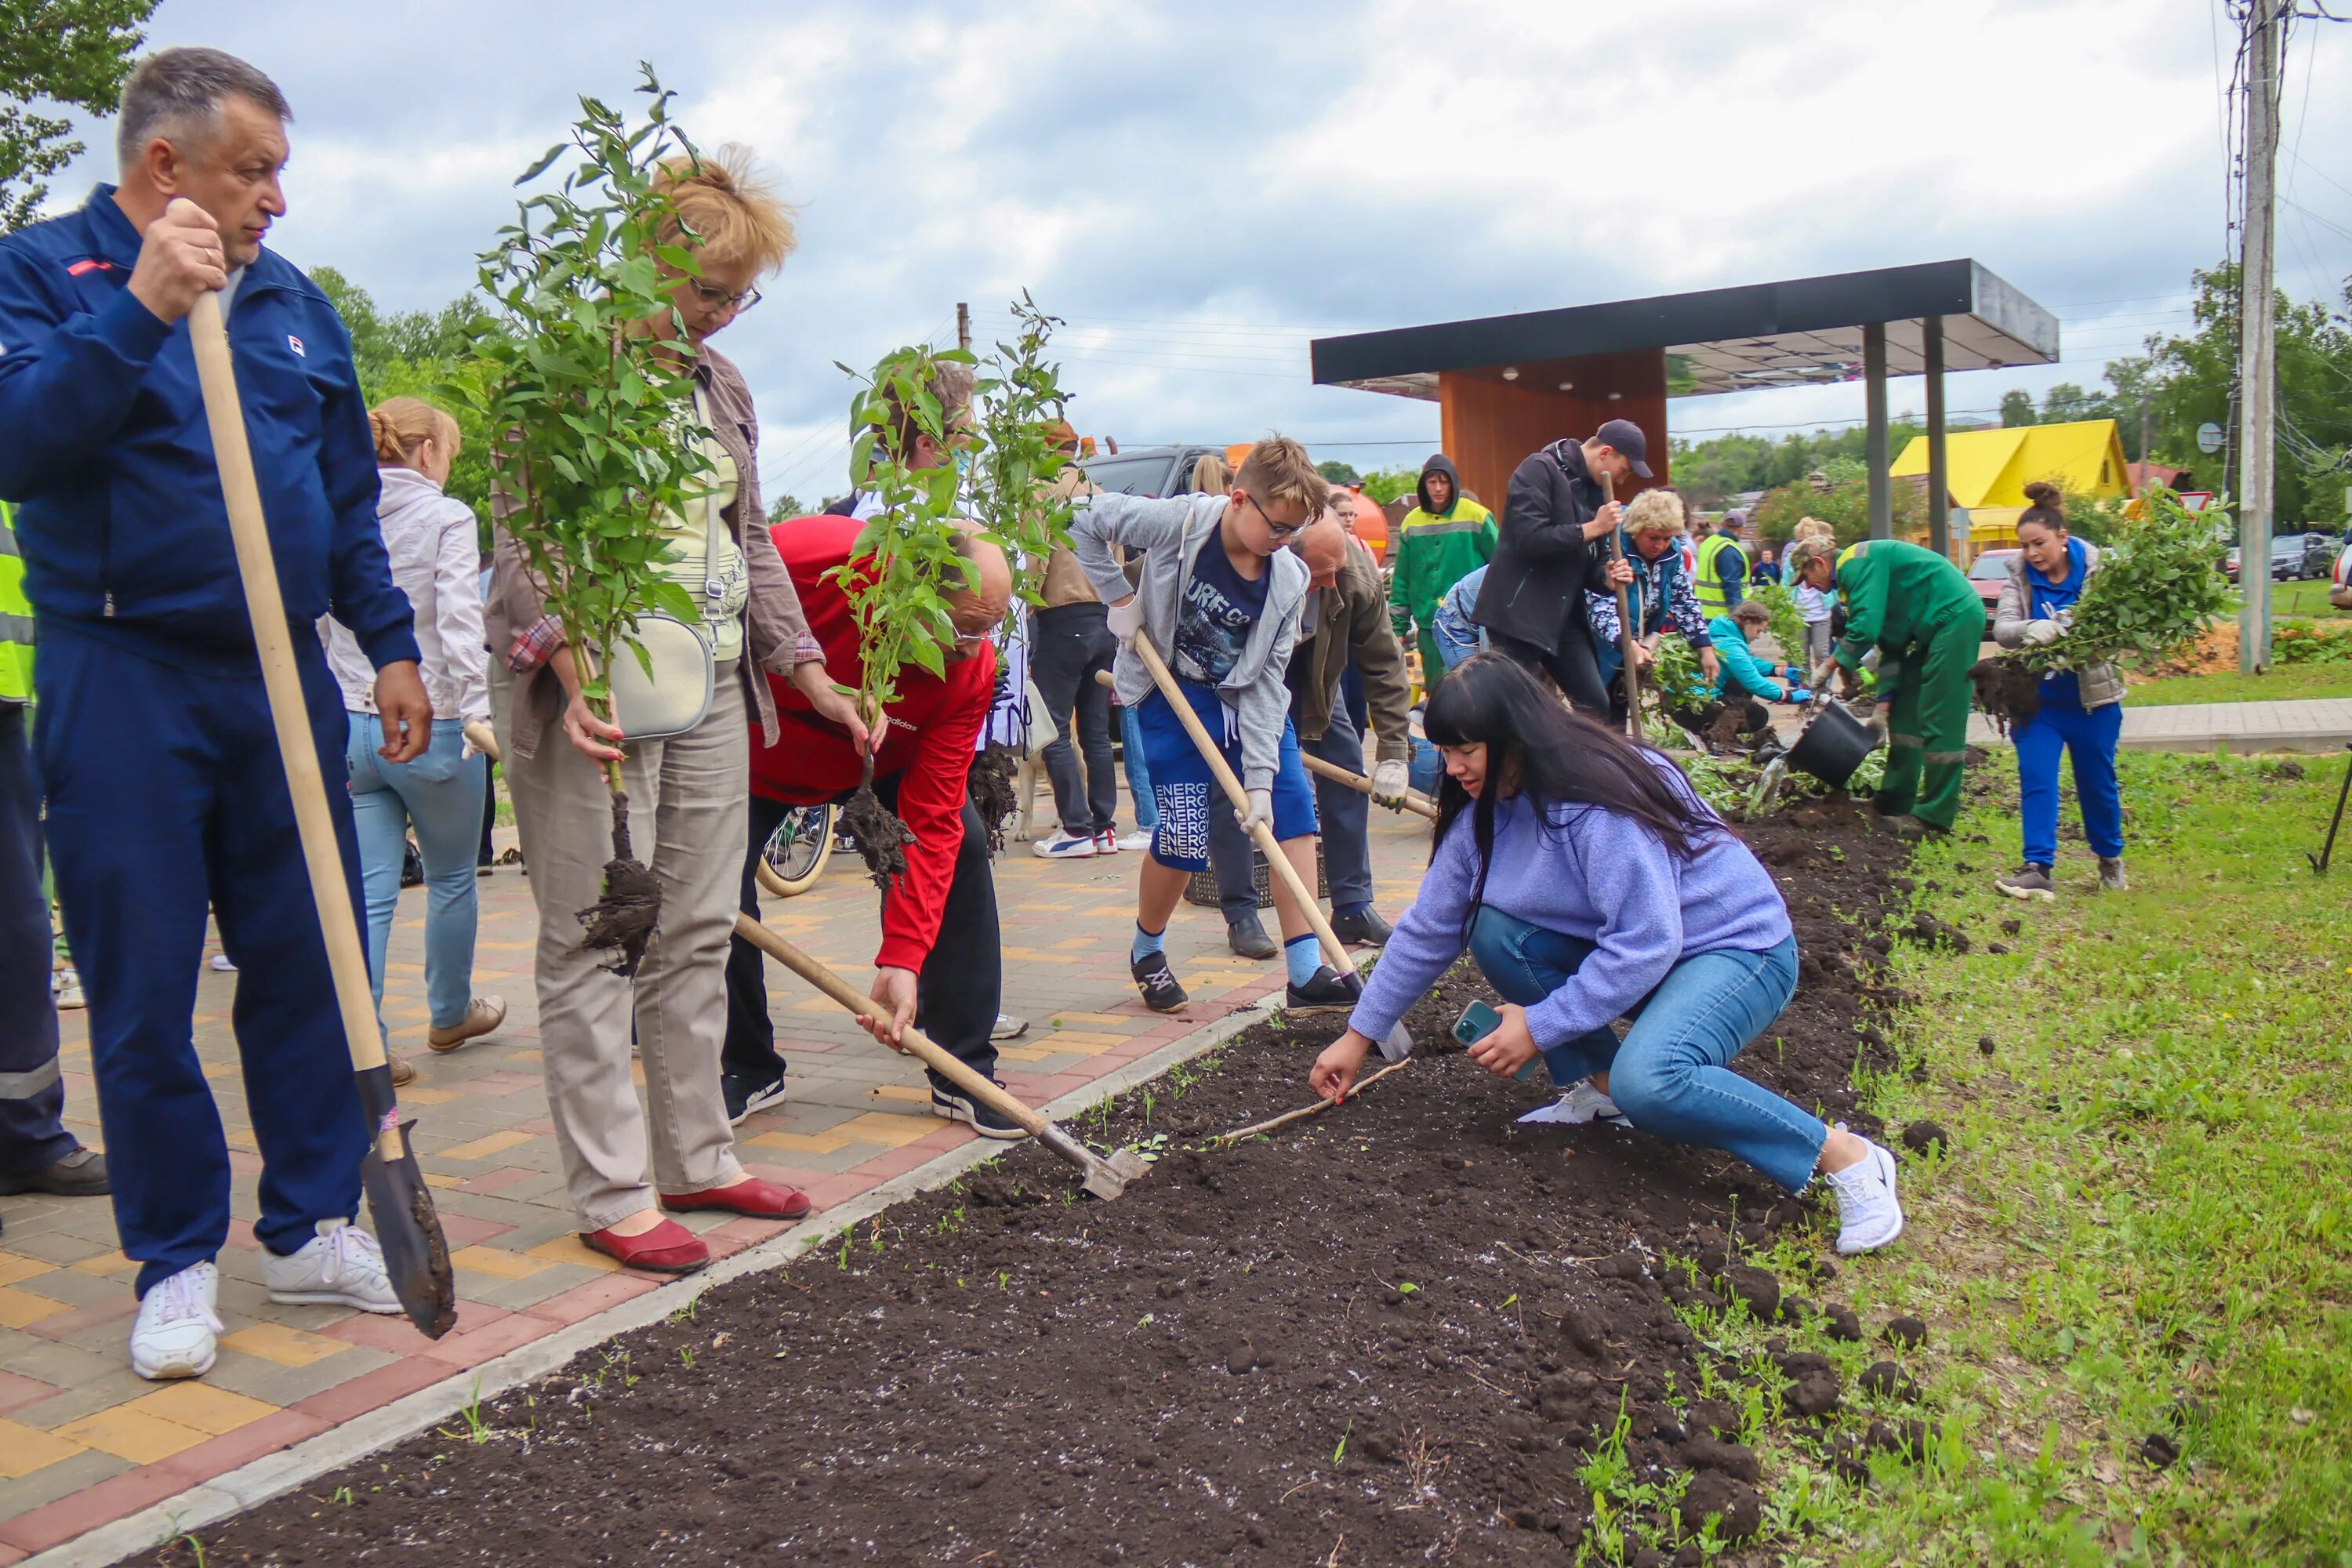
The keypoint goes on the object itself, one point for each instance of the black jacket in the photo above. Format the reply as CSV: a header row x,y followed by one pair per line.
x,y
1535,585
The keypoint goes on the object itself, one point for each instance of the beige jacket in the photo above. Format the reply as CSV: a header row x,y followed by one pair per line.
x,y
775,629
1065,581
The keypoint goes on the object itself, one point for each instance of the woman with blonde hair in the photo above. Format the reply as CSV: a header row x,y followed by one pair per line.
x,y
688,792
1812,602
433,541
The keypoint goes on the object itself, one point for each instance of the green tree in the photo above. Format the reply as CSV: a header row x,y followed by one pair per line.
x,y
418,354
785,508
70,52
1385,485
1338,472
2016,408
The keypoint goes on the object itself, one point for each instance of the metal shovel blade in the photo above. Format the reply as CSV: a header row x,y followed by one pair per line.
x,y
415,1253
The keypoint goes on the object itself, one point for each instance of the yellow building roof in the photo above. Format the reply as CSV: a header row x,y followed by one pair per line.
x,y
1992,467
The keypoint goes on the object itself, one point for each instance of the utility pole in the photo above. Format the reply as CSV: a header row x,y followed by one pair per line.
x,y
2257,348
963,326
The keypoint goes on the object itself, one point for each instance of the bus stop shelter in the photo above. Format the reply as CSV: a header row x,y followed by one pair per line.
x,y
1505,386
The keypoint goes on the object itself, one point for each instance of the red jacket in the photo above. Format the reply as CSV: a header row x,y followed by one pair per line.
x,y
934,729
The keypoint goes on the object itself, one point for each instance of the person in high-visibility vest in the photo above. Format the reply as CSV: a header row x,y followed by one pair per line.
x,y
36,1154
1924,616
1445,539
1722,580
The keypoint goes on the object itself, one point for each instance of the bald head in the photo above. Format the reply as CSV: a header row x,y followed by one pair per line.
x,y
978,606
1324,547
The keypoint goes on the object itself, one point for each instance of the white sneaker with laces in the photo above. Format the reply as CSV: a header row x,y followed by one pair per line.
x,y
340,1267
1869,1213
1064,847
1585,1103
176,1332
67,989
1136,840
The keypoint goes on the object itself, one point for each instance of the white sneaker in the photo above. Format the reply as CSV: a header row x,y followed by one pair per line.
x,y
174,1335
1008,1027
340,1267
1584,1103
67,988
219,961
1133,842
1869,1216
1064,847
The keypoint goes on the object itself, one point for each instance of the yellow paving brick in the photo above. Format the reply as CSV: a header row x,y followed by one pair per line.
x,y
1077,941
1073,1038
802,1142
497,1261
1023,1054
287,1347
242,1140
15,1266
24,1449
1115,1019
901,1091
572,1250
21,1308
885,1127
484,1147
191,1402
413,1095
107,1263
133,1435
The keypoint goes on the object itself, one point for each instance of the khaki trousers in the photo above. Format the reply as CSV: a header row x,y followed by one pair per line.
x,y
687,822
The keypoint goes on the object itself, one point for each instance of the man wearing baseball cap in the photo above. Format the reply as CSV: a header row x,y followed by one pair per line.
x,y
1533,599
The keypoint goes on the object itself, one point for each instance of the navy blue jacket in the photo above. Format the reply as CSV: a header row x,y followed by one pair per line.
x,y
104,446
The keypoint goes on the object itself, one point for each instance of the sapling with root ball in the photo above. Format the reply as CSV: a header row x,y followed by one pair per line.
x,y
597,435
2156,588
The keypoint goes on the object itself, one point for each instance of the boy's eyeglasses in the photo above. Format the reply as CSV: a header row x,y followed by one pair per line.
x,y
720,299
1276,531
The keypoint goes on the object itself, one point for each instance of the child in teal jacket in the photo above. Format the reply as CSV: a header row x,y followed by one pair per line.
x,y
1744,675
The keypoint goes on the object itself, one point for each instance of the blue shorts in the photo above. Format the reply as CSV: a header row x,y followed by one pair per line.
x,y
1186,791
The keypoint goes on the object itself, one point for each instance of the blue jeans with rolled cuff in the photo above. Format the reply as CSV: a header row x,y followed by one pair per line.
x,y
1668,1075
440,795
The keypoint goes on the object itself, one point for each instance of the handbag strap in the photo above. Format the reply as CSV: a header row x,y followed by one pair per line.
x,y
712,591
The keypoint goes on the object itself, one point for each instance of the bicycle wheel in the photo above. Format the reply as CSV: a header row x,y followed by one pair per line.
x,y
794,856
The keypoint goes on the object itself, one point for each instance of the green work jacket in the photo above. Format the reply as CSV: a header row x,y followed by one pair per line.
x,y
1896,593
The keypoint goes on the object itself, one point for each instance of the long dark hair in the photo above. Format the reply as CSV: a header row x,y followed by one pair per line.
x,y
1553,754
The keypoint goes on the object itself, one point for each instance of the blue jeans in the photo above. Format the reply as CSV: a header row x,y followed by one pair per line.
x,y
2088,735
440,794
1139,771
1668,1075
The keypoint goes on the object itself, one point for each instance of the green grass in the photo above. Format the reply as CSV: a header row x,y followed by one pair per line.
x,y
2145,1223
2305,597
2282,682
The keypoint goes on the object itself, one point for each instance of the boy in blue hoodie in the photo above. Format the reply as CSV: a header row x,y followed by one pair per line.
x,y
1221,599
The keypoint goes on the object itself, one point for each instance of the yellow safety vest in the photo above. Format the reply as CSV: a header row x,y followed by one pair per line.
x,y
15,616
1709,586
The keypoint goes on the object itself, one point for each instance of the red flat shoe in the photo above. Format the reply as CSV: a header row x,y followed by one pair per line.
x,y
752,1196
668,1249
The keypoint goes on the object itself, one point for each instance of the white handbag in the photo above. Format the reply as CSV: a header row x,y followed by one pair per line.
x,y
675,696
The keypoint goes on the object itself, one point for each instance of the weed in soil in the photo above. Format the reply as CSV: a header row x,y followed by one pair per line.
x,y
1411,1329
622,922
990,786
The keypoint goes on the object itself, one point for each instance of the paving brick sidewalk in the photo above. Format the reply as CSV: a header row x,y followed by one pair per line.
x,y
83,1441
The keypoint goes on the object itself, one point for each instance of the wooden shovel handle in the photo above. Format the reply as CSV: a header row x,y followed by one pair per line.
x,y
1262,833
281,678
1417,803
1625,638
919,1045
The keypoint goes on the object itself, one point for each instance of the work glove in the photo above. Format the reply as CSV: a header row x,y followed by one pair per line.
x,y
1390,782
2039,632
1800,695
1126,620
1261,809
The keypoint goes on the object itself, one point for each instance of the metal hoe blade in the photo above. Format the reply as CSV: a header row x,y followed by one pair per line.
x,y
1102,1178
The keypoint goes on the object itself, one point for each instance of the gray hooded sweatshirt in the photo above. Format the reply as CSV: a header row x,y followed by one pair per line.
x,y
1167,535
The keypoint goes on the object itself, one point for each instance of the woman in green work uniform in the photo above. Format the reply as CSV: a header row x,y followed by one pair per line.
x,y
1925,617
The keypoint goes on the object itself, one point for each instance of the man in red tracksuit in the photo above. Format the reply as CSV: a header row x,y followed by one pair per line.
x,y
940,966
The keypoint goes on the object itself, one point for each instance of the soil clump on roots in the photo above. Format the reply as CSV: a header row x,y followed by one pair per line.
x,y
990,783
622,922
881,839
2008,690
1391,1334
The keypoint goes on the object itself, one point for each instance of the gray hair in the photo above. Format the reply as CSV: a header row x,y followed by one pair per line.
x,y
177,95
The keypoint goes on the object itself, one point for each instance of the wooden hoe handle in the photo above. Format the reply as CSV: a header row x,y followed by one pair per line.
x,y
1625,638
1417,803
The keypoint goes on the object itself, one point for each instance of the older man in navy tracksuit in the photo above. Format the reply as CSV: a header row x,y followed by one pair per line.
x,y
153,734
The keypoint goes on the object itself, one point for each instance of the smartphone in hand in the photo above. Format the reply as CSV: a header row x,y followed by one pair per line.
x,y
1477,1021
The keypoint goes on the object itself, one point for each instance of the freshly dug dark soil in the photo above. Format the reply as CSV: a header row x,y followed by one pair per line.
x,y
622,922
1391,1334
2008,690
880,836
991,784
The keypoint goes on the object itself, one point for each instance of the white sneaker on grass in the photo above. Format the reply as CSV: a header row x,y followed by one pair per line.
x,y
1585,1103
1869,1213
1064,847
177,1333
340,1267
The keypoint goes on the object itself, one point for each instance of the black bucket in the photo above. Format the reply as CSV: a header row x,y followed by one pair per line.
x,y
1832,746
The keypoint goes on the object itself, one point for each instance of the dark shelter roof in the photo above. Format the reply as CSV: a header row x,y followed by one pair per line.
x,y
1796,333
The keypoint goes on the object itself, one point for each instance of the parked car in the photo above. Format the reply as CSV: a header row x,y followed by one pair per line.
x,y
1148,470
2230,564
1988,572
2296,556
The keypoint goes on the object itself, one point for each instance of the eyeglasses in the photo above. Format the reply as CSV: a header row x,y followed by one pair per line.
x,y
720,299
1276,531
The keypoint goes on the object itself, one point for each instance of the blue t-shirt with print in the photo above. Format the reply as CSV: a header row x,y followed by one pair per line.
x,y
1220,607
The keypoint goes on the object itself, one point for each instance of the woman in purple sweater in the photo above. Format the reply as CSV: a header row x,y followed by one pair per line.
x,y
1590,883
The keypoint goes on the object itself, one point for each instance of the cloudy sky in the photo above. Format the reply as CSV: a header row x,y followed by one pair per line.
x,y
1200,188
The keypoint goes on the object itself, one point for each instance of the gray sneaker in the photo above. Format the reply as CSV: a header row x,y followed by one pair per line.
x,y
2111,875
2028,882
